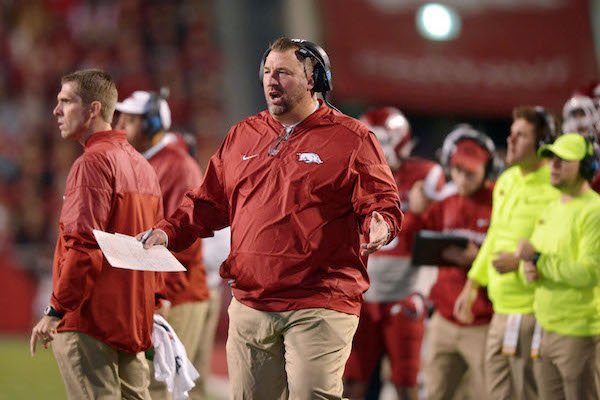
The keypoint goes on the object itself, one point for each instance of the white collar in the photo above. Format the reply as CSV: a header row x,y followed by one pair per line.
x,y
167,139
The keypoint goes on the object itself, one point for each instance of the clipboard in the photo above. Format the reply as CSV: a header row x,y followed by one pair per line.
x,y
428,246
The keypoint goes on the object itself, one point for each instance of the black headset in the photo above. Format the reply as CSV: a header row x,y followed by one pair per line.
x,y
465,131
589,165
548,126
152,121
322,67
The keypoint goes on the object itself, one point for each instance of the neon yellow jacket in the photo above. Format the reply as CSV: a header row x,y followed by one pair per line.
x,y
566,295
517,202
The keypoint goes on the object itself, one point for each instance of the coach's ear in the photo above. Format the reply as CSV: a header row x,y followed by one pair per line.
x,y
95,109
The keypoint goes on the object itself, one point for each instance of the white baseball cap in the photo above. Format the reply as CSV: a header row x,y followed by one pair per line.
x,y
139,104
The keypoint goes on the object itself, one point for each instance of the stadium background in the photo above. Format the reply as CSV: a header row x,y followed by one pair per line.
x,y
207,52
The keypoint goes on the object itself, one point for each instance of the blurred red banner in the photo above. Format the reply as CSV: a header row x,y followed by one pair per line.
x,y
508,53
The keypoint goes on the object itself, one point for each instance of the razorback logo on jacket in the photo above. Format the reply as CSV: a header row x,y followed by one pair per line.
x,y
309,158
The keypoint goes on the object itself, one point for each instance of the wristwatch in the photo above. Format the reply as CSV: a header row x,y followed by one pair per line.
x,y
536,257
51,312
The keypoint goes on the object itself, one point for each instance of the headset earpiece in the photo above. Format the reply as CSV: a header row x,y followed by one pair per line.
x,y
152,122
589,165
261,69
549,128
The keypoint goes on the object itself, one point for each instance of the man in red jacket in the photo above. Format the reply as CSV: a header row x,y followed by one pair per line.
x,y
146,117
455,347
100,318
299,184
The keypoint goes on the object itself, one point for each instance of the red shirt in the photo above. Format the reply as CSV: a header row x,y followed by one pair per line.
x,y
179,173
111,187
296,217
469,216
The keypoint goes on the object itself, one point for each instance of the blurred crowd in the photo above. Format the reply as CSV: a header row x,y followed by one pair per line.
x,y
143,45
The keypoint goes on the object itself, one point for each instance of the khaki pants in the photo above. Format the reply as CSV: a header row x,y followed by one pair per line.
x,y
188,321
297,354
510,377
93,370
203,357
566,367
452,350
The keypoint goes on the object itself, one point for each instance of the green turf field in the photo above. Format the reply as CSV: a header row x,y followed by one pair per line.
x,y
24,377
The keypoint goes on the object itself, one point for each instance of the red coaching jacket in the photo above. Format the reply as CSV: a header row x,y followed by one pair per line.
x,y
470,217
177,174
296,217
111,187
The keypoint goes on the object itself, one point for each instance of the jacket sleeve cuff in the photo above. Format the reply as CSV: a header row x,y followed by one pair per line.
x,y
540,265
392,231
56,305
168,229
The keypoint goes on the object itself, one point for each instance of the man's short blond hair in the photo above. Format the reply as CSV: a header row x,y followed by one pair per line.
x,y
95,85
284,44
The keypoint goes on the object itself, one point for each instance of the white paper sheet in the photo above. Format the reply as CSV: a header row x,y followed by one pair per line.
x,y
123,251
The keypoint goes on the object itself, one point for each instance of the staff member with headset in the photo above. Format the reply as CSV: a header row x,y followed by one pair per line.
x,y
563,259
146,118
520,194
301,185
455,348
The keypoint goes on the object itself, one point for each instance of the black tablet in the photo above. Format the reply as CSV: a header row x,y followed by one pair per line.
x,y
428,246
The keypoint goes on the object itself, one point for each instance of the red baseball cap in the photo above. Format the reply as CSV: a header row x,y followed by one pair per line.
x,y
469,154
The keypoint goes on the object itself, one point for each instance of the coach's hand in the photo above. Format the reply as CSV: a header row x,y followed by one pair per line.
x,y
505,262
459,256
463,306
153,237
531,272
379,234
44,331
417,198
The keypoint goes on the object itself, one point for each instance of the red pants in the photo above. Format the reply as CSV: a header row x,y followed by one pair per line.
x,y
385,328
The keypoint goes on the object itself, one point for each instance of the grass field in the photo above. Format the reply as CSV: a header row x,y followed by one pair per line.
x,y
25,378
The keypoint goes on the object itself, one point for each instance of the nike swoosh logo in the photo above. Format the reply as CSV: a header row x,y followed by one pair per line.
x,y
245,157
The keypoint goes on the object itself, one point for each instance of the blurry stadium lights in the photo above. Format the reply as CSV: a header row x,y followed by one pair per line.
x,y
438,22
